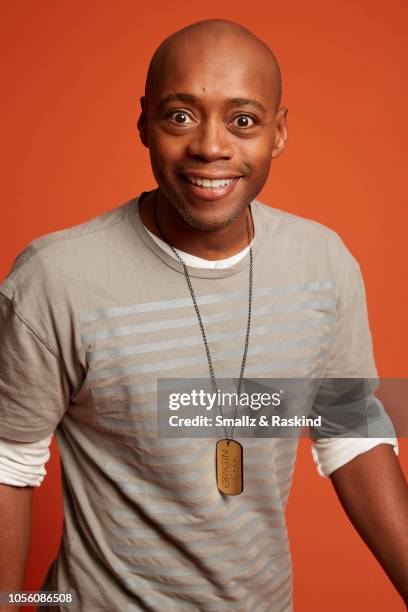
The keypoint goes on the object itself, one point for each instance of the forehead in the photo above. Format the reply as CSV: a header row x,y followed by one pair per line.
x,y
214,70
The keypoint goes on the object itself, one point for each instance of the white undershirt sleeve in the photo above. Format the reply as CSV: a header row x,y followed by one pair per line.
x,y
22,464
329,454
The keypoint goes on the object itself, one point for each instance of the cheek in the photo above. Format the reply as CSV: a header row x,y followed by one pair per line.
x,y
164,157
260,164
258,155
161,155
165,146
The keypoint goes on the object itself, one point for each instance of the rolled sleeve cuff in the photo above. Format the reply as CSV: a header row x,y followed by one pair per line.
x,y
329,454
23,464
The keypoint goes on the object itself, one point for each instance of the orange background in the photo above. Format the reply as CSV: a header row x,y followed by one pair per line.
x,y
73,72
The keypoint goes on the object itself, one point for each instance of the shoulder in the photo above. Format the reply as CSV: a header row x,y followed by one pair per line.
x,y
302,234
309,248
51,256
91,231
294,224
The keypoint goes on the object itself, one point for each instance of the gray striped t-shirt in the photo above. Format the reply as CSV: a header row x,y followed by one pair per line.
x,y
91,317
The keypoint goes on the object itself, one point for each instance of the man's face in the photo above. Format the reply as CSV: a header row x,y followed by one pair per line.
x,y
212,129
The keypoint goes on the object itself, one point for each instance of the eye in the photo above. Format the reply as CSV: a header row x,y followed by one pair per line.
x,y
179,117
245,121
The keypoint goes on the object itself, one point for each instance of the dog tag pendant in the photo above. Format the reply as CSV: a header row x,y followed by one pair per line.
x,y
229,467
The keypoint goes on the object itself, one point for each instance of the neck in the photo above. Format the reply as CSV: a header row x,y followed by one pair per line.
x,y
207,244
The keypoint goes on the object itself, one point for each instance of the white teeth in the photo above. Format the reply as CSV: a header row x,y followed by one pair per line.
x,y
212,184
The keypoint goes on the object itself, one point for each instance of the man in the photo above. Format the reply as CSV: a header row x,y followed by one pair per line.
x,y
93,315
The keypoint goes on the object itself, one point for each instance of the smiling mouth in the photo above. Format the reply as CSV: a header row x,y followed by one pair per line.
x,y
208,183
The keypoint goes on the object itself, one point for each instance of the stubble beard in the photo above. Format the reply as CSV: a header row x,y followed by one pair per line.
x,y
210,224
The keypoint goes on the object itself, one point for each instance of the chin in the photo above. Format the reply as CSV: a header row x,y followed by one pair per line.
x,y
211,219
208,222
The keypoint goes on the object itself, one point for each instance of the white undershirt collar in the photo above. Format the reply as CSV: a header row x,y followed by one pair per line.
x,y
198,262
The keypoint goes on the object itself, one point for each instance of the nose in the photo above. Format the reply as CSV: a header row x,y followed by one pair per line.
x,y
211,141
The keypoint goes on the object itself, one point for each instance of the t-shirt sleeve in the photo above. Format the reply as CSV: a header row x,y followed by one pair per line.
x,y
34,390
346,398
42,364
351,351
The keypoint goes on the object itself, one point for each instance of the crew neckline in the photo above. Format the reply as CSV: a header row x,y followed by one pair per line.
x,y
199,262
137,224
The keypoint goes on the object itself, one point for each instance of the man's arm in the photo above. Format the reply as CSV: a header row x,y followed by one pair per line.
x,y
15,536
374,493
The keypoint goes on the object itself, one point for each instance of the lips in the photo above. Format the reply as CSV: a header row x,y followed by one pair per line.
x,y
209,187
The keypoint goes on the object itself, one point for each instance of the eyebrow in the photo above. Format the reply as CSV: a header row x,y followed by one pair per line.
x,y
190,99
247,102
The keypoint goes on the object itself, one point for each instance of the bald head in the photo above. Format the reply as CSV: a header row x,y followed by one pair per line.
x,y
215,38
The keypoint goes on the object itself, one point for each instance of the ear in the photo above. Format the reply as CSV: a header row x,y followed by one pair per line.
x,y
142,122
281,132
